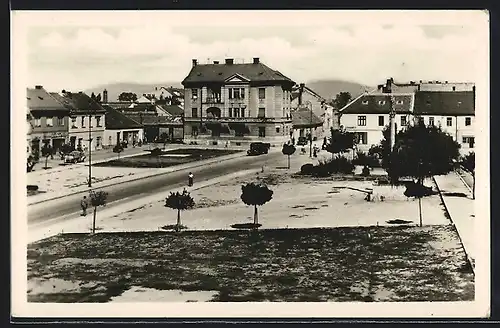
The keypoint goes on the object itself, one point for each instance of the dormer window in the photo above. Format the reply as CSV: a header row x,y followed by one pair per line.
x,y
365,102
399,102
381,102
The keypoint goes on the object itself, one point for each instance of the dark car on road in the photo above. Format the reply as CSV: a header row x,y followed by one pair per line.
x,y
75,157
258,148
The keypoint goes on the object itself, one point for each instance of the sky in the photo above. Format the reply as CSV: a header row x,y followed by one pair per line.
x,y
79,50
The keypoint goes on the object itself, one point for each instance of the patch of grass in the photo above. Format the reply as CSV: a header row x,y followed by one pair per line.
x,y
398,221
397,263
454,194
246,225
152,161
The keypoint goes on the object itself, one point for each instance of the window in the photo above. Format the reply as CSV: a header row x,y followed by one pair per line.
x,y
194,112
469,141
467,121
98,121
110,140
98,142
73,122
242,112
60,121
262,112
381,120
403,121
230,93
49,121
361,138
242,93
262,131
362,120
431,121
38,122
262,93
230,112
449,121
277,129
83,121
194,131
194,92
454,88
365,102
236,93
236,112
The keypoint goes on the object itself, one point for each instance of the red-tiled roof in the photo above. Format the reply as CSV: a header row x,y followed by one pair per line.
x,y
220,72
173,110
153,119
115,120
444,103
303,117
378,104
41,99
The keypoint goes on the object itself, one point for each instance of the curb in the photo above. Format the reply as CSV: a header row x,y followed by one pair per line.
x,y
196,164
469,259
463,181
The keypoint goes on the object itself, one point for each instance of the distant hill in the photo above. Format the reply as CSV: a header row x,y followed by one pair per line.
x,y
114,89
328,89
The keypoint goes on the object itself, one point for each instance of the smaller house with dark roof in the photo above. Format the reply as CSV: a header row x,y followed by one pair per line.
x,y
120,127
303,121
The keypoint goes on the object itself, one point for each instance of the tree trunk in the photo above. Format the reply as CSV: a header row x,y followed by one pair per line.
x,y
46,159
178,227
93,221
473,186
420,209
288,161
255,215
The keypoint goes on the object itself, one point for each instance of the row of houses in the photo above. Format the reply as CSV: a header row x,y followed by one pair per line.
x,y
450,106
58,118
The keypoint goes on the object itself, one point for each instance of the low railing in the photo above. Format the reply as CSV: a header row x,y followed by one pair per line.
x,y
232,119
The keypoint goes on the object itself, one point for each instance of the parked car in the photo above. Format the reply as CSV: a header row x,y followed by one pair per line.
x,y
258,148
75,157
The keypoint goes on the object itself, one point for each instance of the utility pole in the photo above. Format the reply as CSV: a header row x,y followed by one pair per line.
x,y
90,150
392,116
309,105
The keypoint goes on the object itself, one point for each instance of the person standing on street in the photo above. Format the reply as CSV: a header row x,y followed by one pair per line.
x,y
84,205
190,179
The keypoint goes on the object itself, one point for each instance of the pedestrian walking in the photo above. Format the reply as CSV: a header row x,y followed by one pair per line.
x,y
190,179
84,204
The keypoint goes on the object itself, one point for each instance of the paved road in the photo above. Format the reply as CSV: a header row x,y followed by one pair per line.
x,y
118,194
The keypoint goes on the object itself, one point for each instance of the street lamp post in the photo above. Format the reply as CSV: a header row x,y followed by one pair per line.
x,y
90,150
309,106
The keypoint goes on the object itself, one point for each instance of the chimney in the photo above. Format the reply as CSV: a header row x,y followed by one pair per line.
x,y
229,61
216,62
388,86
195,62
38,87
256,60
105,96
301,90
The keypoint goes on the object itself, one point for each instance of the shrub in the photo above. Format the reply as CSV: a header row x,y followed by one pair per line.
x,y
307,169
117,148
156,152
335,165
363,159
418,190
366,171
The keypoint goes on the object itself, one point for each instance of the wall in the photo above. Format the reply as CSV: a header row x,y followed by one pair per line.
x,y
81,131
446,86
110,136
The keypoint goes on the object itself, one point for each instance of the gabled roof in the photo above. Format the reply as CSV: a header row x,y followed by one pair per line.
x,y
173,110
295,93
379,104
115,120
42,100
220,72
444,103
148,119
303,117
176,92
79,103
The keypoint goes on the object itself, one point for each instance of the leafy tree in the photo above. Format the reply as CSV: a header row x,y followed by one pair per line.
x,y
341,99
288,150
419,152
468,162
30,163
339,142
118,149
179,201
255,194
65,149
97,198
127,96
47,151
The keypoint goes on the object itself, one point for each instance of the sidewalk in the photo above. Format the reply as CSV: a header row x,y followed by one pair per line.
x,y
77,223
136,174
460,209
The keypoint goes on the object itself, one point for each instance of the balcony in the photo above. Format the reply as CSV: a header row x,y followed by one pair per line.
x,y
213,101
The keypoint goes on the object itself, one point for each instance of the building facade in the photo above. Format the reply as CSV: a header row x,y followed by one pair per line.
x,y
87,120
121,128
236,103
49,120
452,110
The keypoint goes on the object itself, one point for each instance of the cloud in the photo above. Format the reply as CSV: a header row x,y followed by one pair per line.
x,y
155,52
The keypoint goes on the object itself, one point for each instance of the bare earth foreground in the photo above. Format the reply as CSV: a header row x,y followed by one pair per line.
x,y
319,242
341,264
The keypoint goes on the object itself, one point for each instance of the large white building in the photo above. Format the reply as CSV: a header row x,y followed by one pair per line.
x,y
453,109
